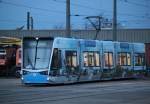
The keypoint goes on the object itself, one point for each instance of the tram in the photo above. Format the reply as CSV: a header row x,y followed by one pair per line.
x,y
7,60
2,56
69,60
10,57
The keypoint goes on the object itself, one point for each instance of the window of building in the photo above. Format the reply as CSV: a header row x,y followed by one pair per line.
x,y
124,59
71,58
139,59
108,56
91,59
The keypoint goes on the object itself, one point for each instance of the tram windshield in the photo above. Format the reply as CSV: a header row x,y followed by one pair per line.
x,y
36,53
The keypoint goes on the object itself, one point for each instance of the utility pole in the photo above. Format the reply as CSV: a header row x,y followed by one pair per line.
x,y
31,23
28,20
68,31
115,28
114,20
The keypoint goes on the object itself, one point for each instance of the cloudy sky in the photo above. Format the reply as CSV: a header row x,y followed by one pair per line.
x,y
49,14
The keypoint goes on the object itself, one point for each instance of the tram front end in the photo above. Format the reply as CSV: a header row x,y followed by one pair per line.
x,y
36,54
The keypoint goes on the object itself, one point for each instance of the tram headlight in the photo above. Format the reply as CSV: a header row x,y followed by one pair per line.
x,y
48,78
24,72
22,78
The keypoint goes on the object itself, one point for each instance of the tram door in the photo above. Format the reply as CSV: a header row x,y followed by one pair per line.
x,y
56,62
71,63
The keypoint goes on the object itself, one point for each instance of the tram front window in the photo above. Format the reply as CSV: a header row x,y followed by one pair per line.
x,y
36,53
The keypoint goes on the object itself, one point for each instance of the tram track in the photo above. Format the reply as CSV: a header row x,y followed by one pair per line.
x,y
60,97
98,86
67,96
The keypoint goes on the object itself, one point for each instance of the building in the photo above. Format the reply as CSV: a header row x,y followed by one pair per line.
x,y
129,35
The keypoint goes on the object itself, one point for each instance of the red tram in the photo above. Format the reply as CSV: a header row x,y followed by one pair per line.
x,y
10,57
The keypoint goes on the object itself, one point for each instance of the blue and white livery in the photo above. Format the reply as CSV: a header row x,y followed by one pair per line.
x,y
69,60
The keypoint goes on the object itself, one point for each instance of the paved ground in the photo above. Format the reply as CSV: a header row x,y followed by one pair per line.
x,y
110,92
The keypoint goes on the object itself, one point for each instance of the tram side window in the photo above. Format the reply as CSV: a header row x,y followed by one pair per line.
x,y
71,58
108,59
128,59
91,59
139,59
85,55
97,59
124,59
19,53
2,56
56,59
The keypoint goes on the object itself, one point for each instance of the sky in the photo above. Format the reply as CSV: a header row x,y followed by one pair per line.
x,y
50,14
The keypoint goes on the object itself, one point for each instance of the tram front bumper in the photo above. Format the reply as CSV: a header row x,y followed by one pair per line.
x,y
35,78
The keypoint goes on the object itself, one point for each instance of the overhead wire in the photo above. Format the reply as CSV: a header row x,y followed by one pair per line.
x,y
10,20
82,6
106,12
135,3
62,12
31,7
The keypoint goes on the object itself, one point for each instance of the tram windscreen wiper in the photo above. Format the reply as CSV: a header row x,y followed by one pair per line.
x,y
29,60
37,40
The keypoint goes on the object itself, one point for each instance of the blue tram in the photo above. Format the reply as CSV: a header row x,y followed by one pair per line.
x,y
69,60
